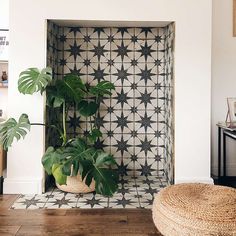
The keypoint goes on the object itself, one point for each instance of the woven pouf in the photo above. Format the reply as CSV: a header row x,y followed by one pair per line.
x,y
195,210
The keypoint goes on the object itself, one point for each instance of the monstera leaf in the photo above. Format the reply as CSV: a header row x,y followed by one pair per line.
x,y
73,154
71,88
90,164
12,129
102,88
58,174
51,157
71,167
105,181
54,99
54,160
87,108
104,160
99,169
32,80
94,134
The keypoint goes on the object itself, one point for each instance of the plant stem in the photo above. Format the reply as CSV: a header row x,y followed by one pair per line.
x,y
75,106
64,123
49,126
90,121
38,124
96,114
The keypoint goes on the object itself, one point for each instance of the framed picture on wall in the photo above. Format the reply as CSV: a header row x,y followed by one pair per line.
x,y
231,115
4,44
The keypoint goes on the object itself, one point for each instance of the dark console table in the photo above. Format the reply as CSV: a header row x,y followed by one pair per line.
x,y
2,167
223,133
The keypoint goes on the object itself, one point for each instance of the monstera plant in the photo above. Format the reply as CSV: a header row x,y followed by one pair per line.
x,y
73,156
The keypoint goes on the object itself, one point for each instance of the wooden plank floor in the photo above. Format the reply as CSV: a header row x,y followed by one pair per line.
x,y
78,222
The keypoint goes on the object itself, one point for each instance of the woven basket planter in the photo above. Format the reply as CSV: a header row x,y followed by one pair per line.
x,y
74,184
195,210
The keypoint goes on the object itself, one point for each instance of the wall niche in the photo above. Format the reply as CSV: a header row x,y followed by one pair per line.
x,y
137,120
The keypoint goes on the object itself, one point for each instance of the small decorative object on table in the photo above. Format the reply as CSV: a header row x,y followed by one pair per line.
x,y
231,114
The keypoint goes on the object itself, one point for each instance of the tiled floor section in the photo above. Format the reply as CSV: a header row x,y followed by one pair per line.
x,y
132,193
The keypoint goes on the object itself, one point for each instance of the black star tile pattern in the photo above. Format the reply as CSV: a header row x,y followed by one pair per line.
x,y
137,120
169,116
133,192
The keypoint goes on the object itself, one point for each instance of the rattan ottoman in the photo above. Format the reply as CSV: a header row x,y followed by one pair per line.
x,y
195,210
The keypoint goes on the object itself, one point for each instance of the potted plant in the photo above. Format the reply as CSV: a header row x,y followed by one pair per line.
x,y
75,163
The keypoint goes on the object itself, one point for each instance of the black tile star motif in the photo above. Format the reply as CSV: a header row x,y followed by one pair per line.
x,y
132,192
137,120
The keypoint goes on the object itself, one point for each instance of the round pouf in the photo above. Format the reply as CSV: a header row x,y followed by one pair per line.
x,y
195,210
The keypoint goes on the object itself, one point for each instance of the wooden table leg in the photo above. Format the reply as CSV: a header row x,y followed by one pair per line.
x,y
224,154
219,152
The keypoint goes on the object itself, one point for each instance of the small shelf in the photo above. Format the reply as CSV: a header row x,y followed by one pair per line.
x,y
3,87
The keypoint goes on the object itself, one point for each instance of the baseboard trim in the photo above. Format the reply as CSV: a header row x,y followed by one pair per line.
x,y
206,180
23,186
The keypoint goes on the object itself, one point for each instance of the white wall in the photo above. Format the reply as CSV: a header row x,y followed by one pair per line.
x,y
223,74
192,82
3,101
4,24
4,14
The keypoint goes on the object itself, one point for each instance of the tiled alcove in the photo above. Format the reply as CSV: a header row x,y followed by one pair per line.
x,y
137,120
